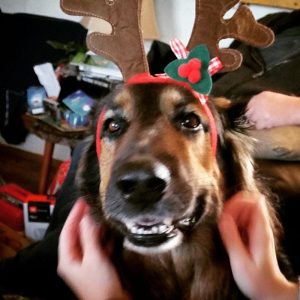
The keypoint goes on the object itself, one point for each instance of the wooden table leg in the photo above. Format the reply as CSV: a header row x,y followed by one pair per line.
x,y
46,165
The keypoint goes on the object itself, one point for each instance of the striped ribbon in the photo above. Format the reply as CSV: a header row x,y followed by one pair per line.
x,y
181,52
215,65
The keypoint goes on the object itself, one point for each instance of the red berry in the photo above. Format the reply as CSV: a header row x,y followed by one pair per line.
x,y
195,63
184,70
194,76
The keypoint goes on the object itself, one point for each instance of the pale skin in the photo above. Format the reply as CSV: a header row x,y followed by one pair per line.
x,y
253,256
83,263
269,109
86,267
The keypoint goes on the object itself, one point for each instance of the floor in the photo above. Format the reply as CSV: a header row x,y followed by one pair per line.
x,y
22,168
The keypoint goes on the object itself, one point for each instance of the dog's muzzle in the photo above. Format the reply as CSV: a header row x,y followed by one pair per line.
x,y
161,236
143,187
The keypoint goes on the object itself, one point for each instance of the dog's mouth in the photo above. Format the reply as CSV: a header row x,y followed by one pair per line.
x,y
159,236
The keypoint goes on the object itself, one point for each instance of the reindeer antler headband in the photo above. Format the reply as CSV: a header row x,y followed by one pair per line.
x,y
209,28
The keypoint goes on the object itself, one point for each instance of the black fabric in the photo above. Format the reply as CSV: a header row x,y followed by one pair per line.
x,y
289,213
159,55
12,107
24,43
32,272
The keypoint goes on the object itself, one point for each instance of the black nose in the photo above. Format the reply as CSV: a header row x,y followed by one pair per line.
x,y
141,185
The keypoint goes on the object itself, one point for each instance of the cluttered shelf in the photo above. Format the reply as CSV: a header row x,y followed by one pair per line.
x,y
42,126
46,129
60,118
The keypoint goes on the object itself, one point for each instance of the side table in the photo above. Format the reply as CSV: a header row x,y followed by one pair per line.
x,y
52,135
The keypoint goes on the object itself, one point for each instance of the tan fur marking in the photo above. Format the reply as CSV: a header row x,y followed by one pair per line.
x,y
124,101
169,98
105,167
222,102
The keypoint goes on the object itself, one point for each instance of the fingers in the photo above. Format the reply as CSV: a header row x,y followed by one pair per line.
x,y
232,240
69,246
261,238
247,222
90,234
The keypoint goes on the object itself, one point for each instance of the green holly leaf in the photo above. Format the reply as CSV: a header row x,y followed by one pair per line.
x,y
204,85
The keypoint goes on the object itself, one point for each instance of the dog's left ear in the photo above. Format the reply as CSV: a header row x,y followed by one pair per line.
x,y
222,103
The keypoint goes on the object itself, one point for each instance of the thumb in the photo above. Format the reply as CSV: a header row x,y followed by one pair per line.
x,y
232,240
90,240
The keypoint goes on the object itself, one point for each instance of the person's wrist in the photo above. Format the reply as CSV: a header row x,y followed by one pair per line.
x,y
289,292
285,290
117,295
123,297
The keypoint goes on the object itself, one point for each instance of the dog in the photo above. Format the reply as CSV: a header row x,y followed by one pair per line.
x,y
159,189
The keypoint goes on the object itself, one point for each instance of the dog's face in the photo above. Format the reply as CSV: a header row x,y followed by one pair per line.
x,y
159,177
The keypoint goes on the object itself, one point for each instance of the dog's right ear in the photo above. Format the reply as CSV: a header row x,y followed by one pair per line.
x,y
88,173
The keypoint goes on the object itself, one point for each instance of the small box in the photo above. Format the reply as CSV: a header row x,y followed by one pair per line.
x,y
35,99
12,199
22,210
37,213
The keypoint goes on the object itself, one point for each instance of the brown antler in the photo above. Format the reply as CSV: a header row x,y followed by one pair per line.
x,y
124,45
210,27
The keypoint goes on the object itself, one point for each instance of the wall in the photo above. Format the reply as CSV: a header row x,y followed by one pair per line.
x,y
49,8
174,19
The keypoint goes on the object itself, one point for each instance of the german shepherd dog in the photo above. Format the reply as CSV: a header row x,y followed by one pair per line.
x,y
159,189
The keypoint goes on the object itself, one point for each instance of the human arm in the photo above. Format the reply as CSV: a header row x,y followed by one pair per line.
x,y
83,262
269,109
248,238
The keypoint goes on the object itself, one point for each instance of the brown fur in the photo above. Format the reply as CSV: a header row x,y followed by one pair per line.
x,y
151,120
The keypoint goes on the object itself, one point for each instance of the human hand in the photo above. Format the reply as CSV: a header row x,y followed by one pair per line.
x,y
248,238
83,262
270,109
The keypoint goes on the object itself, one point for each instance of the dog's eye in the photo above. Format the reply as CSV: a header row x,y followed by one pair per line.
x,y
190,121
113,126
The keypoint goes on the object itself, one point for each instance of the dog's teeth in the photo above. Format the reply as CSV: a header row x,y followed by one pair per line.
x,y
134,229
169,228
140,231
162,228
154,229
185,221
157,229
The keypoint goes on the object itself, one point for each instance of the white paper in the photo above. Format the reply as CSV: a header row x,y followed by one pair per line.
x,y
47,79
